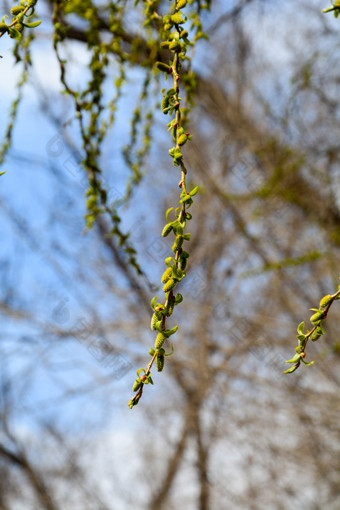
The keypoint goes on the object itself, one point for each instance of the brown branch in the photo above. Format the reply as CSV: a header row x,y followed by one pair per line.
x,y
20,460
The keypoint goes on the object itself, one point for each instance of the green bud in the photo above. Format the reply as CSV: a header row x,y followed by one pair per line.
x,y
175,46
177,244
325,301
171,307
167,275
182,139
317,317
137,384
184,34
160,339
182,264
169,285
165,104
181,4
3,27
317,334
163,67
19,27
177,18
156,317
179,230
296,358
160,362
17,10
167,229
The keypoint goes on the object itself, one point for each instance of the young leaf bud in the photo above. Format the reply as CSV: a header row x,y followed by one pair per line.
x,y
160,339
165,104
179,230
167,229
137,385
178,299
325,301
163,67
317,317
160,362
156,317
182,264
19,27
175,46
170,308
182,139
177,18
169,285
17,10
177,244
167,275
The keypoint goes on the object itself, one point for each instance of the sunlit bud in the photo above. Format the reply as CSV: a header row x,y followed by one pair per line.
x,y
160,339
169,285
167,275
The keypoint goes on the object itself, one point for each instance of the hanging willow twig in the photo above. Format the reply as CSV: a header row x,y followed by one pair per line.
x,y
176,40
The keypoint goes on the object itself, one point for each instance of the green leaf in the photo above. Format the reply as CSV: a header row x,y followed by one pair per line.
x,y
194,191
178,299
169,261
32,25
292,369
301,328
14,33
169,332
296,358
153,302
187,198
2,173
170,92
307,364
167,213
172,350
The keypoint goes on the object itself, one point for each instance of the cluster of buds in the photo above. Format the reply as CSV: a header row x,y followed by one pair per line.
x,y
314,334
19,12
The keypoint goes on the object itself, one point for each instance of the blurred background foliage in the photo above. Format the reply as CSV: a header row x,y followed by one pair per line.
x,y
222,428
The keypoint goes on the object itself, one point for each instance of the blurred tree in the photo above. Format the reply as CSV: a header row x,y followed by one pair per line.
x,y
223,428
